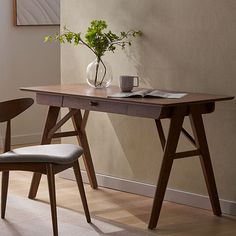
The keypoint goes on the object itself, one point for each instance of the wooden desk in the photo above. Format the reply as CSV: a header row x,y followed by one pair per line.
x,y
78,97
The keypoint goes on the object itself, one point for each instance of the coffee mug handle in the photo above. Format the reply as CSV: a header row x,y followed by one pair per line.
x,y
137,81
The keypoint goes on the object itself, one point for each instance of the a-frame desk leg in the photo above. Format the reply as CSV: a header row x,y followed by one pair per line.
x,y
50,123
51,126
200,141
205,159
169,151
79,126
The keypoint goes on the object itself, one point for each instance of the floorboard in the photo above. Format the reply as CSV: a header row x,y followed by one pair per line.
x,y
128,209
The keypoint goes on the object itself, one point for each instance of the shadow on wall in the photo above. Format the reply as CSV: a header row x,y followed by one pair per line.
x,y
187,45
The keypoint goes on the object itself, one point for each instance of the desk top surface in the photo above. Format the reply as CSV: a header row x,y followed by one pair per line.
x,y
85,91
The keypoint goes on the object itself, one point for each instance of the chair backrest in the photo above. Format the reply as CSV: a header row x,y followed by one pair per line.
x,y
9,110
12,108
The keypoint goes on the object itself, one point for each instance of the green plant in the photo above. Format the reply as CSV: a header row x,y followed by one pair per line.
x,y
97,40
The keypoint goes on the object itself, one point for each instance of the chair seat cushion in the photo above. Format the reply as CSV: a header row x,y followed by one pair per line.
x,y
52,153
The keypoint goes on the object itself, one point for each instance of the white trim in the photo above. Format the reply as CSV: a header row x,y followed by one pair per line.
x,y
172,195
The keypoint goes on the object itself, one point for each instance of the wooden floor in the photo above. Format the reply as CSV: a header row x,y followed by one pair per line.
x,y
129,209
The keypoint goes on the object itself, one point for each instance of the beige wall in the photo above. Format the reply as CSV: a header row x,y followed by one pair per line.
x,y
26,61
187,45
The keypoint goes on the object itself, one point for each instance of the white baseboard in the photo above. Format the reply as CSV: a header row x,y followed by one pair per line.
x,y
172,195
24,139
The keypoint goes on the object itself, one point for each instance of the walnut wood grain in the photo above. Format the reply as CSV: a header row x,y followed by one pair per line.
x,y
205,159
169,151
9,110
85,91
81,96
53,113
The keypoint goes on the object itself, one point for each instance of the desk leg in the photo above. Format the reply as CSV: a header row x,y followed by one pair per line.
x,y
83,141
50,123
170,149
201,143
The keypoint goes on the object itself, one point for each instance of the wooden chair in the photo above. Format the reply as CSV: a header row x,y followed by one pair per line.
x,y
45,159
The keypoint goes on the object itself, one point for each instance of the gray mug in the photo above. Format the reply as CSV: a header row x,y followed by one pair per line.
x,y
128,82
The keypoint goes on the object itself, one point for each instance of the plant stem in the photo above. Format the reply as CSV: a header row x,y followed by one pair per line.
x,y
96,82
105,71
96,72
85,44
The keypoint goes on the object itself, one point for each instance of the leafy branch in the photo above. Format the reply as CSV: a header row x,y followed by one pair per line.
x,y
97,40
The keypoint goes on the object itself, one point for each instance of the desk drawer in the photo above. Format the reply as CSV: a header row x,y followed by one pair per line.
x,y
48,99
95,105
144,111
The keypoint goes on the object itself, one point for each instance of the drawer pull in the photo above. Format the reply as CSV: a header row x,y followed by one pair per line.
x,y
94,104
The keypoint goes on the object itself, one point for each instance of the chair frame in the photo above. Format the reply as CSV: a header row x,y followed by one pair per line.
x,y
8,111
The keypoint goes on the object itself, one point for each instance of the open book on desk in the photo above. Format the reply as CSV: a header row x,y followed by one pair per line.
x,y
147,93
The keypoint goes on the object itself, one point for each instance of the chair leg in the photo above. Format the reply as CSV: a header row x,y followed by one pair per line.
x,y
79,181
52,196
34,185
5,179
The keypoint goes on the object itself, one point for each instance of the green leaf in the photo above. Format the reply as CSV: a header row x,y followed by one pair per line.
x,y
97,38
46,38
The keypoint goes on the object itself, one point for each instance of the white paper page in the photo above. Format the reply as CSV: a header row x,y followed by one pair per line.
x,y
162,94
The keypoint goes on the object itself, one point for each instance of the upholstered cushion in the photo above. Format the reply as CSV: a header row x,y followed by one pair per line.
x,y
53,153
